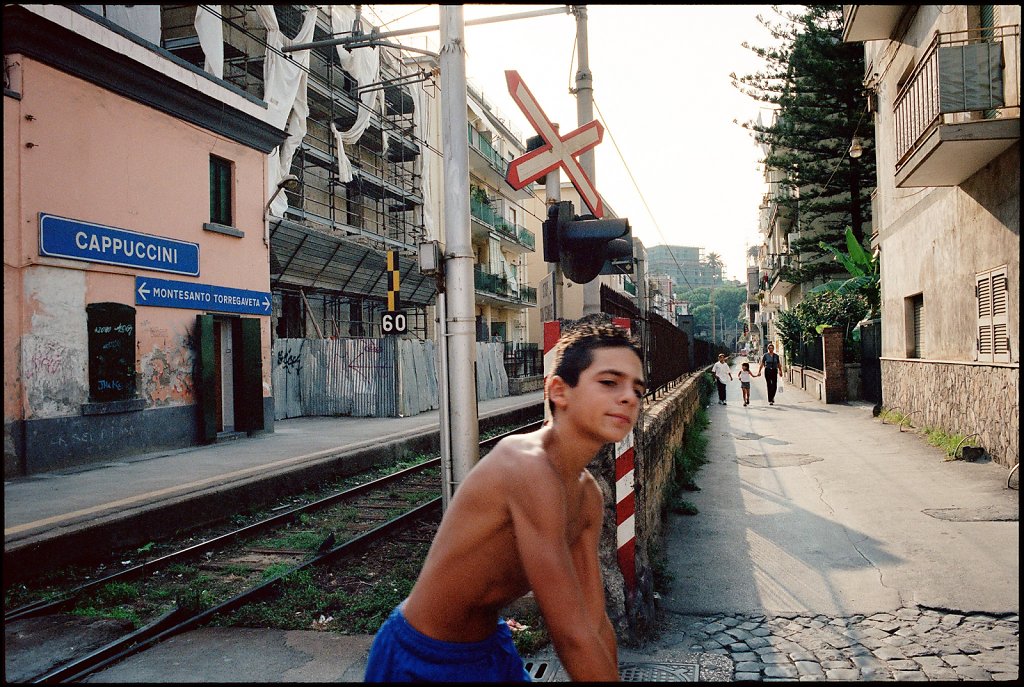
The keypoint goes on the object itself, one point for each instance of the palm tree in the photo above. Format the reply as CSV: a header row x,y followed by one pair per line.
x,y
715,264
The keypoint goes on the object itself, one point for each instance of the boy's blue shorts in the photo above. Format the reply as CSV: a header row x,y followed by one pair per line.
x,y
400,653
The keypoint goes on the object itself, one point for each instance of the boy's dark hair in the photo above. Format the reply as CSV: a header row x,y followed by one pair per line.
x,y
574,352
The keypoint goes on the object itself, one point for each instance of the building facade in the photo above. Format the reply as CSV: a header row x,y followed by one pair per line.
x,y
136,271
944,86
499,218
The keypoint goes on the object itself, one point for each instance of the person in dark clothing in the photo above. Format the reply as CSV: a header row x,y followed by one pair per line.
x,y
771,365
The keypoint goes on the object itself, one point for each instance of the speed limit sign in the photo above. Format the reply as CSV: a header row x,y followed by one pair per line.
x,y
393,322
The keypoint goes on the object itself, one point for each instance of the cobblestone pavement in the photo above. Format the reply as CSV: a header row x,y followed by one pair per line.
x,y
909,644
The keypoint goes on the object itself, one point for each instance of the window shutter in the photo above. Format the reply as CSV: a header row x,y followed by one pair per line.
x,y
919,327
984,294
1000,321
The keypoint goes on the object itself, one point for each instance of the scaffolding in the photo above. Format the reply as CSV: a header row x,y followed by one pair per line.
x,y
381,208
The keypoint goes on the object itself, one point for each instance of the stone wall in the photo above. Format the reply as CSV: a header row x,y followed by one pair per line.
x,y
524,385
659,433
958,398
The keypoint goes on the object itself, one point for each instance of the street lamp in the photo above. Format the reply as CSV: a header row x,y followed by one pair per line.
x,y
856,147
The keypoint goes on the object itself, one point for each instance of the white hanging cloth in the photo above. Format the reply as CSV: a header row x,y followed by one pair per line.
x,y
364,66
142,20
284,84
211,39
420,126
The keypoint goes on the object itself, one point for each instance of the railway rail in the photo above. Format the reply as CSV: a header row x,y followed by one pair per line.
x,y
190,587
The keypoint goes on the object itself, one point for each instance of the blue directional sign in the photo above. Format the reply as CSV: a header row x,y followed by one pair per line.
x,y
164,293
60,237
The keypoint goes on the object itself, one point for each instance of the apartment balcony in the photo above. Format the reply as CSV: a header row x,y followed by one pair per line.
x,y
491,217
495,289
870,22
960,109
487,163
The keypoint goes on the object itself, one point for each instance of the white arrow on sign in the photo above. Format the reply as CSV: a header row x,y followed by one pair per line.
x,y
266,303
143,291
557,151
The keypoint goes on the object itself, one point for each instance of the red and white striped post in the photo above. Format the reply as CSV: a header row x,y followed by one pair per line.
x,y
625,457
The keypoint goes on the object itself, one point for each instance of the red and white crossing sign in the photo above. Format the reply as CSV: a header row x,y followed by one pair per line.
x,y
556,151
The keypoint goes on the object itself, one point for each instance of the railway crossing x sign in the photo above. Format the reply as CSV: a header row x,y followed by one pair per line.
x,y
556,151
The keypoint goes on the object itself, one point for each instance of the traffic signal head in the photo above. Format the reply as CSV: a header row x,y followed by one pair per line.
x,y
586,248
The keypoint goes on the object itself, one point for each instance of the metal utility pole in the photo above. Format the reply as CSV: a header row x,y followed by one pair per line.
x,y
585,113
553,196
463,428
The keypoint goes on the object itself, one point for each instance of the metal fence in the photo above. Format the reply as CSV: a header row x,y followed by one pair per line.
x,y
523,360
667,348
808,353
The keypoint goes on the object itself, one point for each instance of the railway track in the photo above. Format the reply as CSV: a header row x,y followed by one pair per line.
x,y
212,580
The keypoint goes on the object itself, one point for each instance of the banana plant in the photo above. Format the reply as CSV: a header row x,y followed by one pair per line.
x,y
863,268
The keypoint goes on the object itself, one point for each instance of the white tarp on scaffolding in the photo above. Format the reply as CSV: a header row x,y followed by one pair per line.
x,y
211,39
142,20
421,130
284,90
364,66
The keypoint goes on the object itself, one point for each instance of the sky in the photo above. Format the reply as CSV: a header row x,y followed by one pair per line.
x,y
672,159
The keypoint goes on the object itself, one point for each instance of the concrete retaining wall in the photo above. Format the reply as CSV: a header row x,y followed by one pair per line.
x,y
959,398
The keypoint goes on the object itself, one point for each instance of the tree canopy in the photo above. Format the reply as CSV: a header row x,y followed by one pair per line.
x,y
815,81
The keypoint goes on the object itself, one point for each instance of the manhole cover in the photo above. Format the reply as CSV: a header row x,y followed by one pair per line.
x,y
980,514
659,672
777,460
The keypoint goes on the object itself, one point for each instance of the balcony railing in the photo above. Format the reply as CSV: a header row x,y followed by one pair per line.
x,y
498,285
487,150
961,72
492,217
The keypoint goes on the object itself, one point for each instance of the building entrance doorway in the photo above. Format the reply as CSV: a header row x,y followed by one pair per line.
x,y
223,376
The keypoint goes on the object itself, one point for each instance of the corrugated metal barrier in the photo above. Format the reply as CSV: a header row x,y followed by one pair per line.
x,y
386,377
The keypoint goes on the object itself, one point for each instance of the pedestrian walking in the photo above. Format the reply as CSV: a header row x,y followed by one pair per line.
x,y
721,370
528,517
771,365
745,377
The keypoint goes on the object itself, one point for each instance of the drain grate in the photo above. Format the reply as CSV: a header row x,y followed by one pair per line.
x,y
547,671
539,671
659,672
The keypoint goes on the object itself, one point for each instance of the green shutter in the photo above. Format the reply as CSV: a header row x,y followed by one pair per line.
x,y
246,338
205,369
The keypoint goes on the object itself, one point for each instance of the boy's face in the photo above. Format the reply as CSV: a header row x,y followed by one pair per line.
x,y
607,397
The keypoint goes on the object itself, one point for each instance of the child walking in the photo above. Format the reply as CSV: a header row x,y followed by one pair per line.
x,y
745,377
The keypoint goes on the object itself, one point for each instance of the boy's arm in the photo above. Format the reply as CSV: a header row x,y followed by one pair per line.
x,y
537,503
586,558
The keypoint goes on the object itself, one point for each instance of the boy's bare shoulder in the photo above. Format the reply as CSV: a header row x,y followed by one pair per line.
x,y
520,456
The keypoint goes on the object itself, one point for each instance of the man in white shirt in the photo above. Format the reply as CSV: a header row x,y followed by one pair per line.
x,y
722,375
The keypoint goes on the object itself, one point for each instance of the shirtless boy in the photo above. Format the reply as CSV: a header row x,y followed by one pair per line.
x,y
527,517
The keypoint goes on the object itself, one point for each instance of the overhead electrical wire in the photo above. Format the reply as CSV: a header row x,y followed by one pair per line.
x,y
668,248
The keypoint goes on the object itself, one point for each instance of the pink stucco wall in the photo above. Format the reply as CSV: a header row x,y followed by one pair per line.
x,y
99,157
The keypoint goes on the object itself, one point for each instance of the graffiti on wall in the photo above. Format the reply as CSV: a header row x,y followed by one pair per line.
x,y
165,371
54,377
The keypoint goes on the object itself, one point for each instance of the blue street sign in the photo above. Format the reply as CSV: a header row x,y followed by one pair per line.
x,y
60,237
164,293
